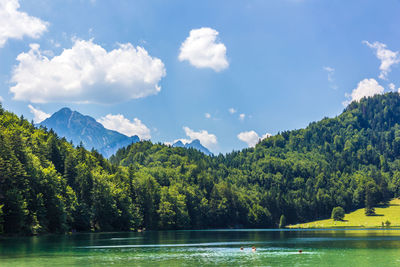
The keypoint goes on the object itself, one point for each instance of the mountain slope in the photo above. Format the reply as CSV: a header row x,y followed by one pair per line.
x,y
352,161
79,128
194,144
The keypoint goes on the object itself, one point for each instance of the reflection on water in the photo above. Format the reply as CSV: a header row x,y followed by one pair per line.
x,y
208,247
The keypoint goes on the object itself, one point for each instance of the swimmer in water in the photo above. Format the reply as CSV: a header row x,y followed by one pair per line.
x,y
253,248
241,248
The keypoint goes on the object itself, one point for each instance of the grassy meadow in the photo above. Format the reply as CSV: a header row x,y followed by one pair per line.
x,y
358,218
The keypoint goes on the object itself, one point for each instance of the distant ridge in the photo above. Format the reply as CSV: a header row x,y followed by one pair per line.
x,y
81,128
194,144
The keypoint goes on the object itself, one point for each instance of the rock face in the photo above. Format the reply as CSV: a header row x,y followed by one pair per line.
x,y
194,144
79,128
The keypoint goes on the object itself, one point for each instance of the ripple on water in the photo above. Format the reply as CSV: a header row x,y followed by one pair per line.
x,y
207,244
118,239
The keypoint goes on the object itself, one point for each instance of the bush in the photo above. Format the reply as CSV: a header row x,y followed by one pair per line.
x,y
337,214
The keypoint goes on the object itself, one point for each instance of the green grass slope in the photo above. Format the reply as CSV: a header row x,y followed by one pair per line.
x,y
358,218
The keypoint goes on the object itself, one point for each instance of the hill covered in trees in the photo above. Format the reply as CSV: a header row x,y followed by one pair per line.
x,y
352,161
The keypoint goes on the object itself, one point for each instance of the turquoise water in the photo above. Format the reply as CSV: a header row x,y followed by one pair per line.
x,y
207,248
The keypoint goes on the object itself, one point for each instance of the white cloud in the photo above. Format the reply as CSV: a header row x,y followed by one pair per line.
x,y
330,71
87,73
38,114
251,138
15,24
365,88
242,116
202,50
1,99
123,125
207,115
392,86
232,110
54,43
331,79
386,56
206,139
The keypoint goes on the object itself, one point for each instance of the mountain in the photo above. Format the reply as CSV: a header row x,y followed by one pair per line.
x,y
194,144
80,128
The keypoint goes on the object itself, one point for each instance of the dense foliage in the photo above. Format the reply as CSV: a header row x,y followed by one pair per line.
x,y
338,214
351,161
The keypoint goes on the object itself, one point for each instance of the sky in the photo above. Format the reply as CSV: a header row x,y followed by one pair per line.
x,y
228,73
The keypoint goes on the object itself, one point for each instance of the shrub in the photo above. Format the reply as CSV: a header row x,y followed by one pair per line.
x,y
338,214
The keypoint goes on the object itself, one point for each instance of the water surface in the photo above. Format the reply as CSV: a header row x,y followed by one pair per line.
x,y
207,248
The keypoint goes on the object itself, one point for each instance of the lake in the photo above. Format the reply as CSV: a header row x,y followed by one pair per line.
x,y
206,248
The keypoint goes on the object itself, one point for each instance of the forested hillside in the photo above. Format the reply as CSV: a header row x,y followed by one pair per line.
x,y
352,161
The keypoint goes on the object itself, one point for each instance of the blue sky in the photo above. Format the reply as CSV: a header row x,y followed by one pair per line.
x,y
277,64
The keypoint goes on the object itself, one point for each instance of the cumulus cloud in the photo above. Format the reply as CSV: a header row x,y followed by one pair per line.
x,y
87,73
207,115
15,24
1,99
206,139
123,125
232,110
242,116
365,88
38,115
202,50
251,138
387,57
392,86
